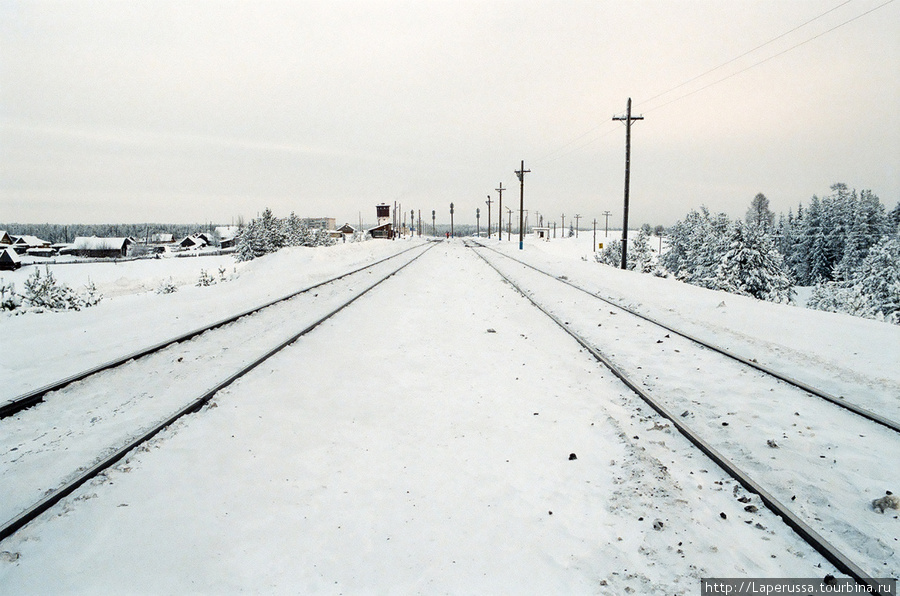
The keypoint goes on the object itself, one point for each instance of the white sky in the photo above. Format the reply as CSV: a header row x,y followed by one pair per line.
x,y
174,111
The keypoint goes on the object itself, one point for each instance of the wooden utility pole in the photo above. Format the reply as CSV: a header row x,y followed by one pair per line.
x,y
509,224
628,118
562,228
477,222
451,220
606,214
489,201
500,212
595,234
433,233
520,173
577,217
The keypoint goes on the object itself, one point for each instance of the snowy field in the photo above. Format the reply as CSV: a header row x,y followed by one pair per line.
x,y
420,440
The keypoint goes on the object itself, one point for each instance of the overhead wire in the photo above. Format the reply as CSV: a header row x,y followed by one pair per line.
x,y
546,158
747,53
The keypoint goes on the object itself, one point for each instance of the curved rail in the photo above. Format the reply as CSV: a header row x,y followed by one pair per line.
x,y
804,530
27,400
16,523
836,400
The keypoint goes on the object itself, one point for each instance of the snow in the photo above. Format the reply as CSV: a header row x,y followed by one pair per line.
x,y
419,440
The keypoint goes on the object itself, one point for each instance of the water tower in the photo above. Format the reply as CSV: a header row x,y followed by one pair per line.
x,y
384,214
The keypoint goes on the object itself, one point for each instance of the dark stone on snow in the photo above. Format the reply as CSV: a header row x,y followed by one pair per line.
x,y
572,456
723,516
750,509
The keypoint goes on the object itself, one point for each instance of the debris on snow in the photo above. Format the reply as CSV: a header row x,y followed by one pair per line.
x,y
889,501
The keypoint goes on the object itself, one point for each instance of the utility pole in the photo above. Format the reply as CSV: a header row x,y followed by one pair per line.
x,y
489,201
433,233
451,220
420,223
628,118
521,174
577,217
500,211
509,224
595,234
606,214
477,222
412,222
562,228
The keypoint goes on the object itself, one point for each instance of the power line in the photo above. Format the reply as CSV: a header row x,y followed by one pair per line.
x,y
774,39
772,57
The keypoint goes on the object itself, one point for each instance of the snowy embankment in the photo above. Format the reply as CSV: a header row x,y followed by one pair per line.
x,y
419,441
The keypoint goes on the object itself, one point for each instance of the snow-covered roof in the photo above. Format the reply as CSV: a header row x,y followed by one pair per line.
x,y
162,237
8,254
4,237
30,241
95,243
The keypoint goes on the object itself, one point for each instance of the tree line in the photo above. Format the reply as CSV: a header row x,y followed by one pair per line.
x,y
845,245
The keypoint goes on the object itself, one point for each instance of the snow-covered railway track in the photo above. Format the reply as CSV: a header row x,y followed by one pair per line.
x,y
35,396
779,462
751,362
146,391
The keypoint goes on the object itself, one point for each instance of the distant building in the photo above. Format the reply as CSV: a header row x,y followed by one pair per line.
x,y
162,238
4,238
194,242
227,235
541,233
385,228
94,247
9,260
22,243
323,223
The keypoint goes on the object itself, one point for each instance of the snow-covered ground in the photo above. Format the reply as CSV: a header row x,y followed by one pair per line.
x,y
420,441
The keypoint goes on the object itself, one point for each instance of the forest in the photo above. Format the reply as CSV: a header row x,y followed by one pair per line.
x,y
845,246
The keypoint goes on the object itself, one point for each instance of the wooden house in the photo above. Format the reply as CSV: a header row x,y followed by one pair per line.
x,y
9,260
94,247
4,238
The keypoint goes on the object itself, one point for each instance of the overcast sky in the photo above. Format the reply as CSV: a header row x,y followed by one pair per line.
x,y
186,111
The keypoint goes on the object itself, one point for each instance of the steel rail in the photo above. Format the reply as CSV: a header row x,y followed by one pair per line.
x,y
30,514
834,399
27,400
804,530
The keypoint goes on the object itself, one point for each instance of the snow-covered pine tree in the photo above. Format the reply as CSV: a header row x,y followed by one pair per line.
x,y
752,266
640,253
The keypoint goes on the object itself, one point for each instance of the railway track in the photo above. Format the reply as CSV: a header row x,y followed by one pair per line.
x,y
752,471
16,404
44,480
752,363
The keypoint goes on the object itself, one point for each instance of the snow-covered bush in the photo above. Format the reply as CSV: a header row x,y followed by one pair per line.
x,y
9,300
267,234
166,287
43,291
205,279
640,255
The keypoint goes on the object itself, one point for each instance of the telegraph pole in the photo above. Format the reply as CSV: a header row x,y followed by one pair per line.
x,y
500,211
433,233
509,224
489,201
606,214
521,174
477,222
628,118
562,228
451,220
595,234
577,217
420,223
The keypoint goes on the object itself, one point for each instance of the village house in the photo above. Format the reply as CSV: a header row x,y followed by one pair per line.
x,y
21,244
4,238
9,260
94,247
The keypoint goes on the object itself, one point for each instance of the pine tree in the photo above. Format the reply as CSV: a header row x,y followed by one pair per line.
x,y
752,266
759,213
